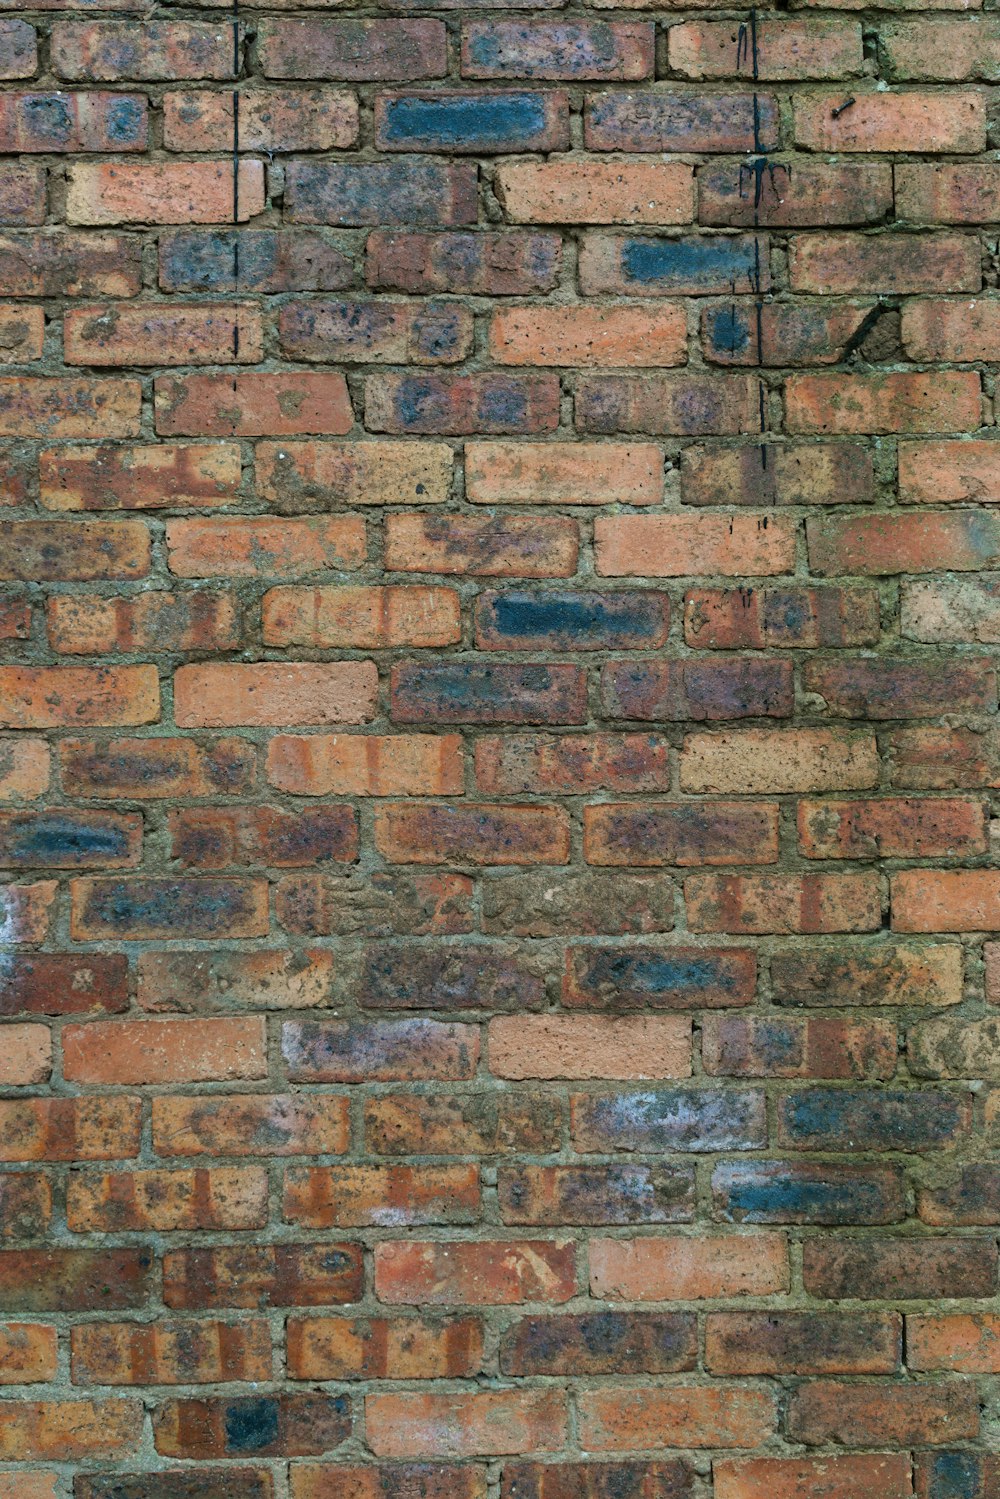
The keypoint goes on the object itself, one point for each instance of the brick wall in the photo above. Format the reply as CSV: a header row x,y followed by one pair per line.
x,y
500,588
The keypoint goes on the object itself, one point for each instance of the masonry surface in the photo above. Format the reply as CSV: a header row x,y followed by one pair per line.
x,y
499,597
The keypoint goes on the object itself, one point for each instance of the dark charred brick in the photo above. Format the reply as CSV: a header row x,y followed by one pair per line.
x,y
601,1343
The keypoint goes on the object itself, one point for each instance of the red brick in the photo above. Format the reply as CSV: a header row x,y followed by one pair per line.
x,y
945,900
137,335
24,769
946,192
28,1353
224,1197
70,1430
269,120
27,1057
941,472
384,1348
812,193
899,827
152,623
356,50
578,1046
43,697
903,263
775,617
629,336
250,1124
862,1415
786,49
471,833
787,473
69,1129
820,1047
366,764
965,1343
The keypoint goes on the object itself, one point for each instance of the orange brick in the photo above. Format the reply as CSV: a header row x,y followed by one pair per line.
x,y
631,336
28,1353
581,473
677,546
366,764
277,693
481,1423
679,1268
164,1051
265,548
365,618
175,192
675,1416
26,1056
576,1046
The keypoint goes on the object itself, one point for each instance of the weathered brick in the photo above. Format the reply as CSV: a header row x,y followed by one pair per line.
x,y
95,51
820,1047
366,764
619,50
259,1276
355,50
675,122
947,401
378,1051
178,476
476,122
577,1046
490,402
258,405
495,265
645,977
129,1353
359,1196
697,266
896,1269
497,1273
303,476
267,1425
500,1123
601,1343
472,833
420,192
790,1192
890,973
384,1347
803,1342
508,546
787,473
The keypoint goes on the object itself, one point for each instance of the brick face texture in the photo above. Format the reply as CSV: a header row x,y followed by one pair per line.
x,y
499,597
